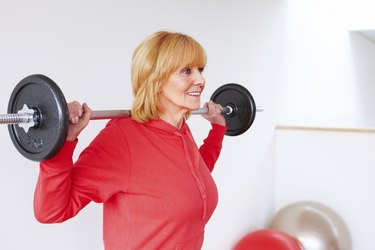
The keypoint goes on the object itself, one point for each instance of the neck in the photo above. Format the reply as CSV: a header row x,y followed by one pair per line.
x,y
175,120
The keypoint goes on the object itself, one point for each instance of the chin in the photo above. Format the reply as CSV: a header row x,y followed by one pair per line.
x,y
194,107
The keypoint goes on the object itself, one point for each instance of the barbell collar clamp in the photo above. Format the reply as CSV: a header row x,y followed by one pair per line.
x,y
25,118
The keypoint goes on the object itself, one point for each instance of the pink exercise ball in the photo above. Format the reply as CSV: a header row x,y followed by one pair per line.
x,y
267,239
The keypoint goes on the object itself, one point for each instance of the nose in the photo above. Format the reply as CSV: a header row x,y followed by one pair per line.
x,y
199,79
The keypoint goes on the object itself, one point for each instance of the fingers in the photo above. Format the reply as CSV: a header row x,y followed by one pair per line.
x,y
87,112
75,112
78,112
214,114
213,108
79,117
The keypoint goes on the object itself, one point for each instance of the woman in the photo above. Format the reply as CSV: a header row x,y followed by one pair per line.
x,y
155,183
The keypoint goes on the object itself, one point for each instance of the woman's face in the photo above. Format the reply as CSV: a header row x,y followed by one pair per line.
x,y
182,91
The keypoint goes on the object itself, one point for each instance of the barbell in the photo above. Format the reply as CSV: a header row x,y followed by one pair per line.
x,y
38,115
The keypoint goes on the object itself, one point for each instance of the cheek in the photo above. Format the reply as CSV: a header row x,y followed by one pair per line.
x,y
179,88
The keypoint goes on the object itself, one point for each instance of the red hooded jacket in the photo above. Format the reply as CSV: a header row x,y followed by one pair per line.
x,y
155,184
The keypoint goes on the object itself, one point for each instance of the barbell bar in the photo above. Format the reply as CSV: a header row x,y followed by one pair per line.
x,y
29,116
38,119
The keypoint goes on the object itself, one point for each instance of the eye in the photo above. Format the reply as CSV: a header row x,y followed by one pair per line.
x,y
201,70
186,70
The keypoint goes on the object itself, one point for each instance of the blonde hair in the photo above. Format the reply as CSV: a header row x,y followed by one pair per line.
x,y
154,60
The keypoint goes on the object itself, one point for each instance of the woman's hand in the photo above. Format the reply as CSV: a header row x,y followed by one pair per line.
x,y
214,113
79,117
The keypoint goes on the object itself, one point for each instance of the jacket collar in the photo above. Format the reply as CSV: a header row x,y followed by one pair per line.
x,y
167,127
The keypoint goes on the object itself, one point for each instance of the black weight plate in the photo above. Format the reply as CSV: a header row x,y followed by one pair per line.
x,y
243,104
45,140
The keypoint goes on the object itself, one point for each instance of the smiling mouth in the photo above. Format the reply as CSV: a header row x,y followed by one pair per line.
x,y
197,93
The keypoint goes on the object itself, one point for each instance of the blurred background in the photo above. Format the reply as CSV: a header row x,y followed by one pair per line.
x,y
309,63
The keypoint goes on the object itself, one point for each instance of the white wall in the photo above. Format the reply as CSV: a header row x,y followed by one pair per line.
x,y
363,57
86,46
324,79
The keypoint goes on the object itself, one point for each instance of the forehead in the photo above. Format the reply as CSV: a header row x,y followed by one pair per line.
x,y
190,55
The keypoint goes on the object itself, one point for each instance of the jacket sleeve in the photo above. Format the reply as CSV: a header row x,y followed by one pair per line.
x,y
210,150
102,169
